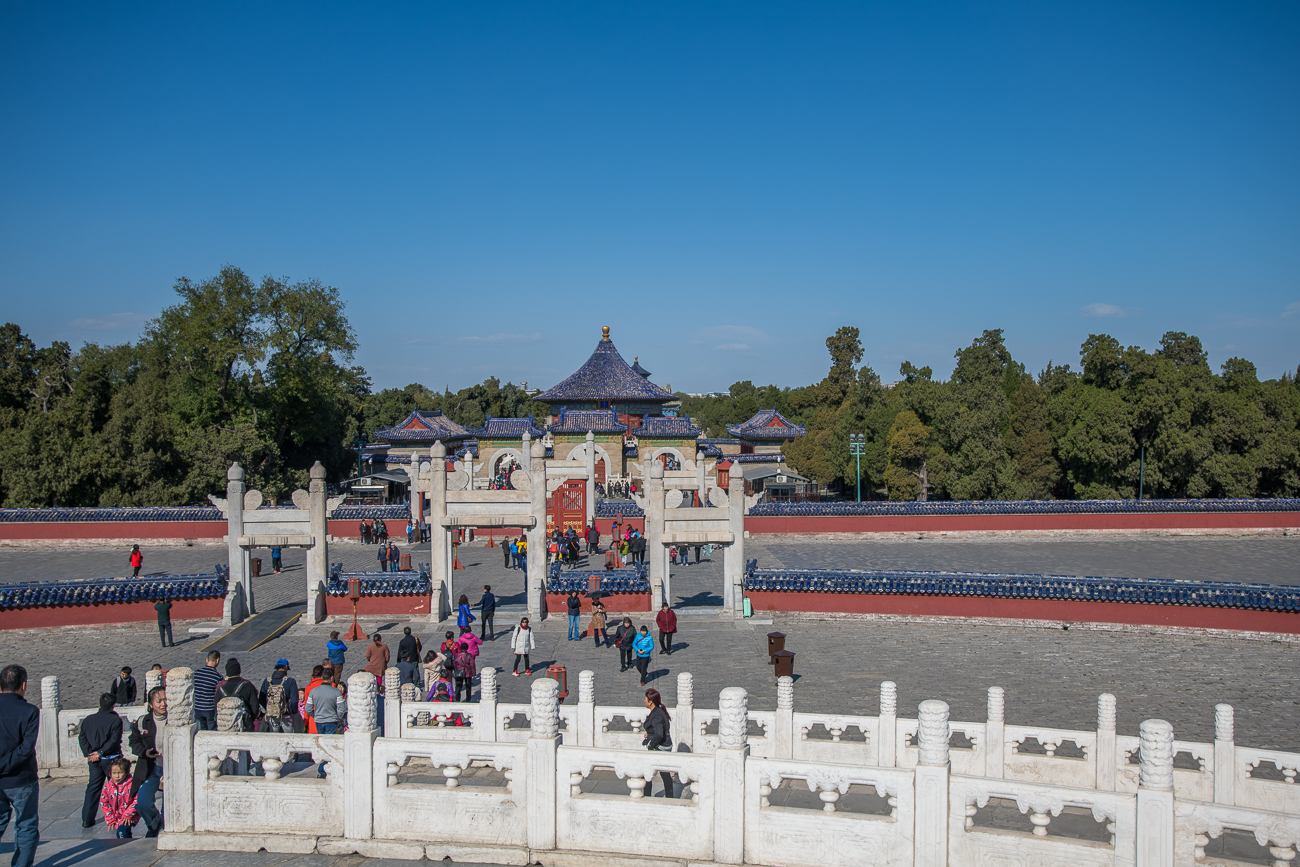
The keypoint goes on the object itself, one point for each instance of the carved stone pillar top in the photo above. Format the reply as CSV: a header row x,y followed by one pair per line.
x,y
180,696
546,708
438,450
932,734
235,473
997,704
487,678
1224,726
317,471
392,682
785,693
587,687
656,470
50,691
1156,757
733,718
151,680
685,689
888,698
409,693
363,711
1106,712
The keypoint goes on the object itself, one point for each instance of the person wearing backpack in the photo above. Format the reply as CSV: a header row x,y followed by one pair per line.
x,y
464,669
235,686
658,736
279,700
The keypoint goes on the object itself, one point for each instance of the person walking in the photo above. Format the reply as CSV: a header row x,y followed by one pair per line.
x,y
666,620
19,790
505,552
336,650
658,736
100,740
643,645
137,560
574,605
408,649
487,607
523,644
464,617
377,655
164,609
277,562
598,622
623,637
148,771
205,692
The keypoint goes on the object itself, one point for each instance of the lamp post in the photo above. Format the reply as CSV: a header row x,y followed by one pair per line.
x,y
359,442
858,447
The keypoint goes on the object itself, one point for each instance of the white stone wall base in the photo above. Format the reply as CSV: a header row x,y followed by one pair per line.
x,y
289,844
395,849
468,854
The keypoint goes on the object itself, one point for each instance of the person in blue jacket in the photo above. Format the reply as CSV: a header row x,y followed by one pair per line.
x,y
464,617
643,646
336,650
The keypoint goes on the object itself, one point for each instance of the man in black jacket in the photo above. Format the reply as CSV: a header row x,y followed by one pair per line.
x,y
487,610
164,609
148,775
19,790
235,686
101,742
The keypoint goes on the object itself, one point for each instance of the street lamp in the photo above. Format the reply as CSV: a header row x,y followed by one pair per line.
x,y
857,448
358,443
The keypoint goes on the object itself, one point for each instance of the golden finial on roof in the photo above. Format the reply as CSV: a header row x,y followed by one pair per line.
x,y
604,332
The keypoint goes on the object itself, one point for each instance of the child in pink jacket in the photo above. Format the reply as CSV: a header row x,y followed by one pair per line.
x,y
116,800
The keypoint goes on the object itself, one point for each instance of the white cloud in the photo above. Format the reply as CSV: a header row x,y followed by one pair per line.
x,y
1109,311
1292,310
733,347
109,322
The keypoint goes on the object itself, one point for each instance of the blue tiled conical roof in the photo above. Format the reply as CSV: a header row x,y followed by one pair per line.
x,y
606,376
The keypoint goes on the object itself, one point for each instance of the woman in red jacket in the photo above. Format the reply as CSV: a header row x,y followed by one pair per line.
x,y
137,560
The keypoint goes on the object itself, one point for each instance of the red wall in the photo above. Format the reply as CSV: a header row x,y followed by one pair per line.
x,y
558,603
1029,609
952,523
383,605
110,612
125,531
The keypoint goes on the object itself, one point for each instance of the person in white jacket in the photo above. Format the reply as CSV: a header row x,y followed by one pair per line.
x,y
522,643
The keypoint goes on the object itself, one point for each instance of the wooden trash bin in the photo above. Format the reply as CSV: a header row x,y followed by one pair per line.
x,y
775,644
784,663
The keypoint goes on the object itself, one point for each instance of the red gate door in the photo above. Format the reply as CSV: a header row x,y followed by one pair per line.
x,y
568,507
600,471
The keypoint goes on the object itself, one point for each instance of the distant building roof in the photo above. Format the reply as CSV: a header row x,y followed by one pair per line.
x,y
423,425
507,428
767,424
776,458
606,376
769,472
638,369
583,420
720,441
667,426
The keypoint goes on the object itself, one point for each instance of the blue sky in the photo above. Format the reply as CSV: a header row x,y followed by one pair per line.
x,y
724,184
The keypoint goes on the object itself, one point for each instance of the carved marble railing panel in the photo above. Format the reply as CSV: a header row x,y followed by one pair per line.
x,y
1191,783
1059,763
970,844
620,738
966,745
1196,824
285,798
761,726
451,810
70,727
680,828
849,752
436,720
786,837
507,733
1266,780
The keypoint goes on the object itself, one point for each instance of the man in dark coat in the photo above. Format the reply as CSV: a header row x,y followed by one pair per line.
x,y
235,686
164,609
19,789
101,742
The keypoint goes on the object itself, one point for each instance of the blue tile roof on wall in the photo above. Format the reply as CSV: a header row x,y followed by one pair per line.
x,y
757,427
606,376
667,426
757,459
507,428
423,426
583,420
720,441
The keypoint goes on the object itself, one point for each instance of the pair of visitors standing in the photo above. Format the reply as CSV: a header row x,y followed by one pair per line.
x,y
137,560
487,607
593,539
381,555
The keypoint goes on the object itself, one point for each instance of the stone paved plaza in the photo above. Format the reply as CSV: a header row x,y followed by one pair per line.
x,y
1052,676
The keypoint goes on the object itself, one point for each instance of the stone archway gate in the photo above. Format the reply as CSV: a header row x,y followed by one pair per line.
x,y
722,523
249,526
